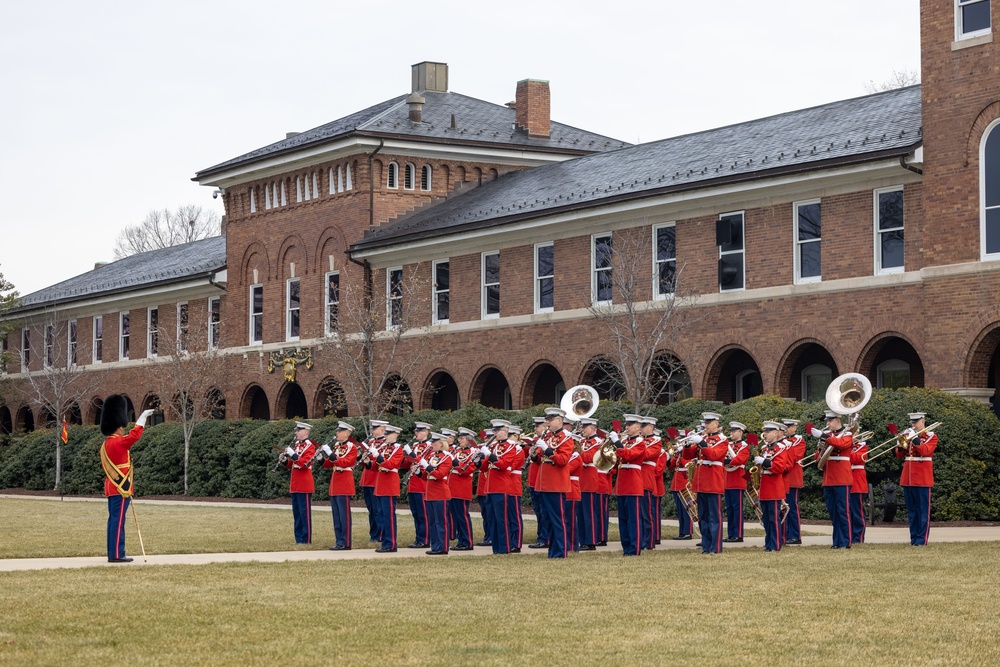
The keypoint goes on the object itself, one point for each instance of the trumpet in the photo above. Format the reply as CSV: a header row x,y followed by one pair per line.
x,y
900,441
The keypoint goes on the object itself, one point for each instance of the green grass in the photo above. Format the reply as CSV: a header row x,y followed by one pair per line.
x,y
880,604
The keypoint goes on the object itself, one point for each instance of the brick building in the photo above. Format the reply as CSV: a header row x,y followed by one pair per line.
x,y
861,235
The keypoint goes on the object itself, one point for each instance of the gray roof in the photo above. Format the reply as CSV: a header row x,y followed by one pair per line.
x,y
844,132
476,123
167,265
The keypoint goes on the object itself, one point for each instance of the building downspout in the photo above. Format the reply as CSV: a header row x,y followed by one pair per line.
x,y
371,185
902,163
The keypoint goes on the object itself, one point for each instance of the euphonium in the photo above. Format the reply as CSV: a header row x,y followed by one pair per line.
x,y
606,457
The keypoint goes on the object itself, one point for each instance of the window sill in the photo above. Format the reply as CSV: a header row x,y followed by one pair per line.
x,y
967,42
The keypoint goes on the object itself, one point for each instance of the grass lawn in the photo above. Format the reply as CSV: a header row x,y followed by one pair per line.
x,y
879,604
53,528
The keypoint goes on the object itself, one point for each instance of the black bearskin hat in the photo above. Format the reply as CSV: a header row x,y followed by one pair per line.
x,y
114,415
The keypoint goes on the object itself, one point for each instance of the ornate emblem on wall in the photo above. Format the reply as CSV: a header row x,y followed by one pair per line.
x,y
288,360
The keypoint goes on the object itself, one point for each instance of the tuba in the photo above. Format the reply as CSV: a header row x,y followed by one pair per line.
x,y
579,402
846,395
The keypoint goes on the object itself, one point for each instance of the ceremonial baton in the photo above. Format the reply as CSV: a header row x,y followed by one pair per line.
x,y
136,517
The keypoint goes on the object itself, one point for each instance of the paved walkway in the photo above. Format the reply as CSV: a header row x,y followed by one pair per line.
x,y
895,534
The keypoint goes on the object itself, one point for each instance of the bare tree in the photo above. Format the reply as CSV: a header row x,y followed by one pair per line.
x,y
8,301
367,340
164,228
898,79
61,383
641,331
189,377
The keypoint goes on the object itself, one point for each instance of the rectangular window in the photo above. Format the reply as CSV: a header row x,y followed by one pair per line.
x,y
50,343
601,274
808,234
544,277
3,354
972,18
332,301
664,260
292,309
214,322
98,346
889,230
71,344
123,335
25,350
256,314
394,297
182,327
152,332
729,239
490,297
253,201
441,290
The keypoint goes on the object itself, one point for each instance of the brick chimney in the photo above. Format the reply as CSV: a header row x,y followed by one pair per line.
x,y
532,102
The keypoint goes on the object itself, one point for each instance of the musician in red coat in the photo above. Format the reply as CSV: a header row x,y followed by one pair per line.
x,y
553,482
918,477
298,459
794,481
498,464
438,467
661,490
837,476
387,461
774,460
647,507
859,491
678,483
369,471
631,450
116,461
735,465
589,519
460,480
341,459
573,497
542,539
710,481
515,523
416,485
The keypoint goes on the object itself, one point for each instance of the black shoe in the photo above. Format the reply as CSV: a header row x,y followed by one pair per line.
x,y
588,547
436,553
681,537
380,550
484,543
417,545
121,560
339,548
794,542
602,543
538,545
656,542
461,548
697,544
515,550
733,539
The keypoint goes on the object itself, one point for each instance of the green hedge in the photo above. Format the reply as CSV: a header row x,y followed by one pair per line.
x,y
235,458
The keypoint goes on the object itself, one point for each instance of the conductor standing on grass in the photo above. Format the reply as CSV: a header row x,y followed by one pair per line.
x,y
116,461
299,460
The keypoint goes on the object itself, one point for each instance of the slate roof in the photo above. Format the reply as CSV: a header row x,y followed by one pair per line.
x,y
179,262
476,123
843,132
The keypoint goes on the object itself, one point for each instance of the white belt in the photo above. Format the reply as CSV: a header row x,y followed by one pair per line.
x,y
342,469
388,469
857,467
603,472
515,472
733,468
917,458
589,465
575,479
710,463
649,463
630,466
839,458
767,472
443,479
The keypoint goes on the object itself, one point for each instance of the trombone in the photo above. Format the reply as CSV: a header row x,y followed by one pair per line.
x,y
899,439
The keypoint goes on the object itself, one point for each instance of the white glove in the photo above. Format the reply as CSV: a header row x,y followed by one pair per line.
x,y
373,450
518,448
758,460
485,450
909,433
289,451
327,450
613,436
816,433
407,450
141,421
695,438
423,463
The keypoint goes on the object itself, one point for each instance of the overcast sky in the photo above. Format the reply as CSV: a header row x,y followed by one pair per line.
x,y
107,109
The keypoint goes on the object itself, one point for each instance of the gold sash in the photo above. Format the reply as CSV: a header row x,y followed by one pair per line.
x,y
113,471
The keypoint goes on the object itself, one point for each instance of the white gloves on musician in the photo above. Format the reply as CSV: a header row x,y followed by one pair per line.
x,y
485,450
613,436
407,450
695,439
909,433
423,463
759,460
289,451
816,433
326,450
141,421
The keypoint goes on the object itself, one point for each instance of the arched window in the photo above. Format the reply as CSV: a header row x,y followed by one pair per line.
x,y
350,184
748,384
329,179
253,201
989,193
409,177
298,189
425,178
340,179
815,380
893,374
391,181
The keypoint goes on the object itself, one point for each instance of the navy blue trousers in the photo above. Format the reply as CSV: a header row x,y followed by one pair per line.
x,y
515,526
710,522
683,518
771,518
589,518
837,501
657,518
544,532
341,506
793,524
605,499
501,537
484,510
302,517
460,518
386,507
418,508
368,494
858,522
437,522
630,524
645,519
918,512
571,511
734,513
553,506
117,508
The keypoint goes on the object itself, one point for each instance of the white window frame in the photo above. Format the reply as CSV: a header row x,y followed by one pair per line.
x,y
741,251
656,261
253,201
327,303
409,176
744,373
959,34
350,183
876,209
181,342
797,243
594,270
891,365
98,325
71,343
48,346
389,299
811,370
25,347
426,178
983,255
252,315
151,331
123,354
214,326
435,291
538,278
392,176
284,199
289,309
484,285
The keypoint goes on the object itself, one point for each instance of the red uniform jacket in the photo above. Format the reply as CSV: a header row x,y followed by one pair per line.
x,y
499,470
710,475
574,466
387,477
553,475
369,470
838,468
859,454
630,458
661,467
772,479
515,487
345,455
417,481
736,469
653,448
117,447
589,477
302,473
678,463
527,441
437,479
797,447
462,470
918,469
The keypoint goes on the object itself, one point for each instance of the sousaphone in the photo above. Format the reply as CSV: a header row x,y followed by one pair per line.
x,y
847,395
